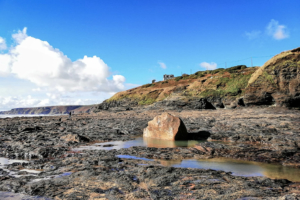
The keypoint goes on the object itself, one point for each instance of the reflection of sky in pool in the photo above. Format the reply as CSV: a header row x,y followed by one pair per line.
x,y
6,161
15,196
237,167
138,142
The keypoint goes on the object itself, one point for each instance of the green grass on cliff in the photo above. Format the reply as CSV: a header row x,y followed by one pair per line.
x,y
229,82
226,86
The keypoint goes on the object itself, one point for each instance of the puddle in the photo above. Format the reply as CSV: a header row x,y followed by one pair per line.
x,y
15,173
51,177
6,161
140,141
133,157
237,167
15,196
31,171
64,174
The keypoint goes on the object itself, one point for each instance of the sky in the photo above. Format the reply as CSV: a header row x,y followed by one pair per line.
x,y
76,52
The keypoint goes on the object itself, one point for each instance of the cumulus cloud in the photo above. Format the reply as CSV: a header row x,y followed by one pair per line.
x,y
276,30
273,29
20,35
162,65
37,61
2,44
253,34
208,66
17,102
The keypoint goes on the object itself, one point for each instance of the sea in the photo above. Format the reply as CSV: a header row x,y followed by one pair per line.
x,y
12,116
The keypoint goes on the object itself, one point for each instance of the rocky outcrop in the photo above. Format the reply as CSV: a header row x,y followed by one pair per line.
x,y
277,82
166,127
74,138
195,103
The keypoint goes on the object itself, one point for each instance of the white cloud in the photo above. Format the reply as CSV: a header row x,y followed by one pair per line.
x,y
20,35
2,44
253,34
162,65
38,62
17,102
208,66
5,63
276,30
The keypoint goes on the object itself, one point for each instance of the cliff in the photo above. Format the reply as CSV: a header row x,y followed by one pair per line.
x,y
51,110
275,83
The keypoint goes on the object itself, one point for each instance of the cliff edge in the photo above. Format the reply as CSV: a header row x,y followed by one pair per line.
x,y
277,82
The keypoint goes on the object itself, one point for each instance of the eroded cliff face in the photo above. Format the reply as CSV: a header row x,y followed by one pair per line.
x,y
277,82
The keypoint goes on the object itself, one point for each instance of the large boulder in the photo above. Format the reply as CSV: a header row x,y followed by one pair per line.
x,y
277,82
166,127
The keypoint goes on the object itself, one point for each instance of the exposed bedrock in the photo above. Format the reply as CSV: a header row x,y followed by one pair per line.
x,y
277,82
273,131
269,135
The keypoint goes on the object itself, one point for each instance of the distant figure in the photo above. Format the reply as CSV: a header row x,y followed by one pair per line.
x,y
70,113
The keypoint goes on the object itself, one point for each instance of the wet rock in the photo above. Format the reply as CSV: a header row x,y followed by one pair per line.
x,y
265,135
166,127
276,82
74,138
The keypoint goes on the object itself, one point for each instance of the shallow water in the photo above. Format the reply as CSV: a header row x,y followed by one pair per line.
x,y
6,161
237,167
15,196
28,115
146,142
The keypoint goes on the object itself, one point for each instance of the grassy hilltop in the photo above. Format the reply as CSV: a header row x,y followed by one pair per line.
x,y
229,83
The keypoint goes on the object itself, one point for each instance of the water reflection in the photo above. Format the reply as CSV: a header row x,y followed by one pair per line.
x,y
237,167
6,161
150,142
240,168
140,141
15,196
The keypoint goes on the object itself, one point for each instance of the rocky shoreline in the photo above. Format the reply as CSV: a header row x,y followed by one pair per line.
x,y
269,135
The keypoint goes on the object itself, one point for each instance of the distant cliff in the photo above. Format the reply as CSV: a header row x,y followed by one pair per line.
x,y
49,110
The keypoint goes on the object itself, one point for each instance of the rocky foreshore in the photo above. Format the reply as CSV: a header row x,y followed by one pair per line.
x,y
268,135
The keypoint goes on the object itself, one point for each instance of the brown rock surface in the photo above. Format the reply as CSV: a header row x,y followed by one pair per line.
x,y
277,82
166,127
74,138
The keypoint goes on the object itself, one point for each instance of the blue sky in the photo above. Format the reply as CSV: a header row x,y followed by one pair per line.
x,y
133,41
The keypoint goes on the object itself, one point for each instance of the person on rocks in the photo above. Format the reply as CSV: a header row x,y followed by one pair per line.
x,y
70,113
